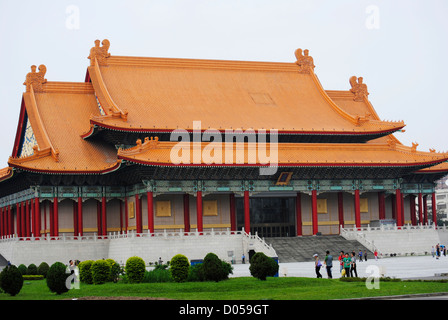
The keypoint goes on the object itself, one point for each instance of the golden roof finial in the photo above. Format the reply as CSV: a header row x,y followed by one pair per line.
x,y
358,88
100,53
304,61
36,79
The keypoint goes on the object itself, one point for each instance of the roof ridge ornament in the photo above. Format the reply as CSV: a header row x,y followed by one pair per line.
x,y
304,61
358,88
99,53
36,79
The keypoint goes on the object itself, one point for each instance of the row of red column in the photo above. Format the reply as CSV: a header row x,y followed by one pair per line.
x,y
27,221
28,214
397,209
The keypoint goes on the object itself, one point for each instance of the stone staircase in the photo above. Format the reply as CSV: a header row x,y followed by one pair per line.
x,y
300,249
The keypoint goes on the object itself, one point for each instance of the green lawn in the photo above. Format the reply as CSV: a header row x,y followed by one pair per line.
x,y
244,288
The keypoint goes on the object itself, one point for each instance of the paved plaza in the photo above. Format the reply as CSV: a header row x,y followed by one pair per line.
x,y
412,267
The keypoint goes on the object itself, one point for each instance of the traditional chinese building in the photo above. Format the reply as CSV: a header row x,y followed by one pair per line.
x,y
97,156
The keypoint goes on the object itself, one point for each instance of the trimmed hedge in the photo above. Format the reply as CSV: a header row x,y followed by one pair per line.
x,y
85,275
43,269
11,280
56,278
179,268
135,269
214,269
100,270
262,266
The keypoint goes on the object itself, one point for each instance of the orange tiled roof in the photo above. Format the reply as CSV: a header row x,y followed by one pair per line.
x,y
58,115
161,94
153,152
6,173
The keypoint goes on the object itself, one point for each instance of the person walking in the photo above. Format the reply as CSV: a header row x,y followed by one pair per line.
x,y
375,254
329,264
317,265
360,255
347,262
365,255
437,251
353,266
433,251
341,263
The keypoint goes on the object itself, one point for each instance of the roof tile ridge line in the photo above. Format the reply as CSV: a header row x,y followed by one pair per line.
x,y
140,146
115,59
38,154
115,110
344,114
68,86
413,150
330,101
41,127
189,62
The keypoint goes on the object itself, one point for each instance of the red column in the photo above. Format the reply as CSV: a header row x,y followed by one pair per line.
x,y
138,214
314,211
149,196
412,205
232,212
299,214
357,210
199,211
104,215
425,209
186,212
19,220
80,222
37,216
398,207
56,217
381,206
341,209
246,212
27,219
420,208
434,208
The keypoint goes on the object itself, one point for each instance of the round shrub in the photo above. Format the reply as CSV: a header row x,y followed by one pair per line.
x,y
85,275
213,268
135,269
115,270
23,269
43,269
32,269
11,280
262,266
100,271
57,277
179,268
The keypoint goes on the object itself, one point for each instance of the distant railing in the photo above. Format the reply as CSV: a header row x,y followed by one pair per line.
x,y
123,235
359,234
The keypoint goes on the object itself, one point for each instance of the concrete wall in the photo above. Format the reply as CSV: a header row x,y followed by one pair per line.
x,y
120,248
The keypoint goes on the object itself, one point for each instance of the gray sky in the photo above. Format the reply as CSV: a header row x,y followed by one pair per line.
x,y
399,47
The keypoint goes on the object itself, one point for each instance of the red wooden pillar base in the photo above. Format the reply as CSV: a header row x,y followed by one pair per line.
x,y
199,211
299,214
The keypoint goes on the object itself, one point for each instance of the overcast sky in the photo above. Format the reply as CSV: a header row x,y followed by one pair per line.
x,y
399,47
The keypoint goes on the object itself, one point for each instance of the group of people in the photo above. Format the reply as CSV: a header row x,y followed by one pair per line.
x,y
438,250
347,263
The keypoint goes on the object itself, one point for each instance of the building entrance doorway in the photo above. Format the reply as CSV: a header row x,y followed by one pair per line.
x,y
269,216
